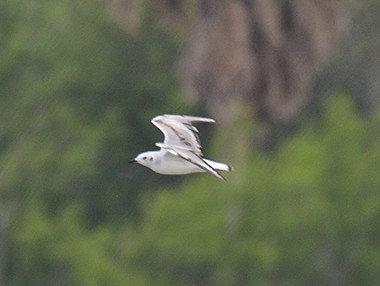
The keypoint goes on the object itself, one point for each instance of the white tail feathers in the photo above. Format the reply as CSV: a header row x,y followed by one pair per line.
x,y
219,166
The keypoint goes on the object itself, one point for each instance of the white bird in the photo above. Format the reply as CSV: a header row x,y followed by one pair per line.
x,y
181,151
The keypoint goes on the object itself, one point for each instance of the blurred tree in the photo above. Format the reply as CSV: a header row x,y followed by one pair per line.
x,y
72,87
75,93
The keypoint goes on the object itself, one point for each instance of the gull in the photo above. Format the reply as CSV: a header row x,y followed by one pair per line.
x,y
181,151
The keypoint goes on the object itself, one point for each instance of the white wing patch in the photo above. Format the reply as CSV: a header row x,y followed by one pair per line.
x,y
180,132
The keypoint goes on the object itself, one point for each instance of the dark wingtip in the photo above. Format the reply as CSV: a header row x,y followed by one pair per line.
x,y
221,177
230,168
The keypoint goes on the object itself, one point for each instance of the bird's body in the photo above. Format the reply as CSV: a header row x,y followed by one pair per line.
x,y
173,165
180,153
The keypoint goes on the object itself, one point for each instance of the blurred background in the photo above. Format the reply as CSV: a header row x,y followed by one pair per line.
x,y
294,86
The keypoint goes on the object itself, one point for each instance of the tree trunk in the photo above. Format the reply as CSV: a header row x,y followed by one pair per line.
x,y
263,51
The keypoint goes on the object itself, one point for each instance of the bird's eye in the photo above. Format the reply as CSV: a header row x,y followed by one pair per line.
x,y
144,158
151,159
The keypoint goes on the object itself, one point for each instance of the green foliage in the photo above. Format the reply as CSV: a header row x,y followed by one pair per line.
x,y
75,93
63,251
307,214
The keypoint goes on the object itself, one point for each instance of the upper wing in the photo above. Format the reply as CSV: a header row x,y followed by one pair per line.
x,y
180,132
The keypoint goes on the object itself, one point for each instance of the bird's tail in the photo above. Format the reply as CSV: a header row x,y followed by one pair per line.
x,y
219,166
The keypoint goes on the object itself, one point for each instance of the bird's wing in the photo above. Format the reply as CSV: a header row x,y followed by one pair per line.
x,y
191,157
179,131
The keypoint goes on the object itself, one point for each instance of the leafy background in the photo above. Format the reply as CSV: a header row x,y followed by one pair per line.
x,y
77,93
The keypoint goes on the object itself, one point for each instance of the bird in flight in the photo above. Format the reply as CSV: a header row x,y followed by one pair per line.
x,y
181,151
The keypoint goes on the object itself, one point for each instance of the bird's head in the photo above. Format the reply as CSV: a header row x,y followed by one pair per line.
x,y
146,159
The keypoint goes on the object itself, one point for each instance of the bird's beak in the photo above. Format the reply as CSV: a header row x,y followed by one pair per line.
x,y
132,161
